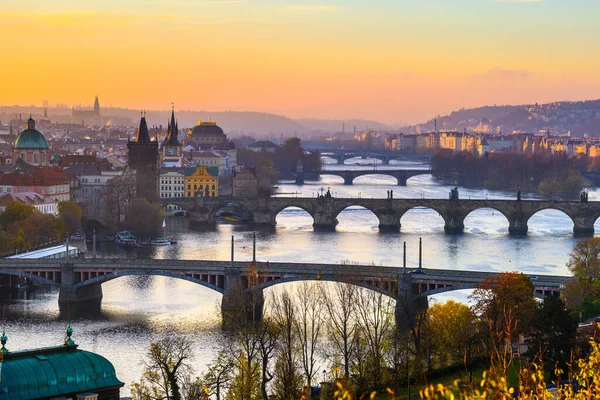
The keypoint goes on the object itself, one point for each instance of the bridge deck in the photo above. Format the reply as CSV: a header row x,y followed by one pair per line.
x,y
326,271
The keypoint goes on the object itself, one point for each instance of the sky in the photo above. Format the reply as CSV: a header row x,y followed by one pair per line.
x,y
395,61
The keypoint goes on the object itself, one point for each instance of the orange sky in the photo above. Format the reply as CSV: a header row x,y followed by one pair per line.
x,y
393,61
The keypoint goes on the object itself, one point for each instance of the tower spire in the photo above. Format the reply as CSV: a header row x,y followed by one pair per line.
x,y
142,135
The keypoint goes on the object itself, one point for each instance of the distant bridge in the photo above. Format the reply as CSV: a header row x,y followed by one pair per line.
x,y
325,211
340,156
401,175
80,280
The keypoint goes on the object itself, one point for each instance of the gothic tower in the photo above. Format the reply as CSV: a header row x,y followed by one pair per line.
x,y
96,106
143,160
171,150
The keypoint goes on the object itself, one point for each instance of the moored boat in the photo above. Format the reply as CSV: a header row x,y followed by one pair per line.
x,y
160,242
126,240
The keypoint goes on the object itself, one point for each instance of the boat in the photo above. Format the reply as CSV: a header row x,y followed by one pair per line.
x,y
160,242
126,240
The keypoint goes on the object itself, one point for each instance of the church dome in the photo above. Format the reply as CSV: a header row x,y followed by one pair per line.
x,y
207,129
31,138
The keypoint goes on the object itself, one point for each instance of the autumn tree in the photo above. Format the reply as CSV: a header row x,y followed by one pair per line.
x,y
308,328
506,306
339,303
454,327
70,215
218,375
287,380
15,211
375,324
584,260
143,217
167,367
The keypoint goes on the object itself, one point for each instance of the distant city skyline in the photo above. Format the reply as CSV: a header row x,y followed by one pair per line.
x,y
390,61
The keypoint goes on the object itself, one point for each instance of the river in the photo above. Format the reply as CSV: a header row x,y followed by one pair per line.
x,y
137,310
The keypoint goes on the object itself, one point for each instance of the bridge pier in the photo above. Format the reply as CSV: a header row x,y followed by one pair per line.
x,y
324,222
203,218
402,180
348,180
583,226
240,306
408,305
385,161
454,223
389,222
517,225
69,295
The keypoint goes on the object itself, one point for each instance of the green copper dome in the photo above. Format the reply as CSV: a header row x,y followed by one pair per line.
x,y
31,138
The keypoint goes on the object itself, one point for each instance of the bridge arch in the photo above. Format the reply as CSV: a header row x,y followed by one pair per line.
x,y
465,286
387,291
348,205
292,205
423,212
33,277
559,213
217,286
487,209
398,181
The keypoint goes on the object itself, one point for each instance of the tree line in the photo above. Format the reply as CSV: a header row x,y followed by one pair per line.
x,y
370,343
23,227
547,173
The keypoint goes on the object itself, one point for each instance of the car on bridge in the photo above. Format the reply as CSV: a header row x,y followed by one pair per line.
x,y
418,271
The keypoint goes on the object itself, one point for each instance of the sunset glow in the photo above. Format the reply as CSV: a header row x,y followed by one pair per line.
x,y
394,61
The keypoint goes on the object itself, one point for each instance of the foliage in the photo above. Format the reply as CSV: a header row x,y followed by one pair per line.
x,y
143,217
15,211
167,368
218,375
70,214
118,193
550,174
584,260
553,333
456,332
245,384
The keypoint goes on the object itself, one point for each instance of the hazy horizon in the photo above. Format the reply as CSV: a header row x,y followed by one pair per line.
x,y
398,61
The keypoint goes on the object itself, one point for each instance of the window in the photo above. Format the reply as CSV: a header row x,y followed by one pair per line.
x,y
189,187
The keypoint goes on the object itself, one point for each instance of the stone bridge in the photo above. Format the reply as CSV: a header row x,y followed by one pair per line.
x,y
80,280
401,175
341,156
325,211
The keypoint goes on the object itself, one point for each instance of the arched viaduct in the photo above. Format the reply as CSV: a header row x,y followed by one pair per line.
x,y
325,211
401,175
80,280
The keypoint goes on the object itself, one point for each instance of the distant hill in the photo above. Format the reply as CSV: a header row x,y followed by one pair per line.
x,y
578,117
250,123
335,125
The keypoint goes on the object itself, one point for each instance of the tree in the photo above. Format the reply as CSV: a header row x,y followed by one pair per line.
x,y
287,379
143,217
218,375
15,211
36,230
553,333
506,307
167,367
453,327
308,328
584,260
70,214
268,335
375,319
118,193
340,304
245,384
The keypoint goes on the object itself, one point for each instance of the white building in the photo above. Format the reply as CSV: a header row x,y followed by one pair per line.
x,y
171,183
43,204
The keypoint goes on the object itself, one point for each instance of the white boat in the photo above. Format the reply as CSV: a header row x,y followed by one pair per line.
x,y
160,242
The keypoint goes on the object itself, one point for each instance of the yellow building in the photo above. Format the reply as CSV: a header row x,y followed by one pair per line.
x,y
201,181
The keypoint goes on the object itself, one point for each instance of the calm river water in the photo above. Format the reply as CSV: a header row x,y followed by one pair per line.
x,y
137,310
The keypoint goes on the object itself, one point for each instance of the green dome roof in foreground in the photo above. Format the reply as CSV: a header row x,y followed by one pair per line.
x,y
31,138
53,371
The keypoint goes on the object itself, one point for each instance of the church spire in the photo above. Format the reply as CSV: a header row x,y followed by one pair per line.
x,y
96,106
172,132
143,136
